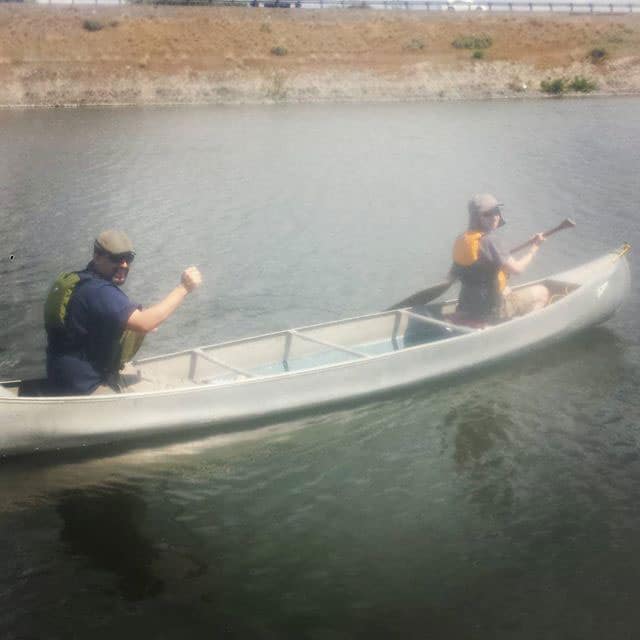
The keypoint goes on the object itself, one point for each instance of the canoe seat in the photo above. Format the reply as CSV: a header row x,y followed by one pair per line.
x,y
460,320
8,393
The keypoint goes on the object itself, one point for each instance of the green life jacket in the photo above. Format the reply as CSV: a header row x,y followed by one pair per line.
x,y
55,314
55,307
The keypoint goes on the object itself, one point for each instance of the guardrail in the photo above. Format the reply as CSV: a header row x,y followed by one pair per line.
x,y
425,5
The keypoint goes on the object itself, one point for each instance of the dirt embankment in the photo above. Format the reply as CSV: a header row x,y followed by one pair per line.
x,y
144,55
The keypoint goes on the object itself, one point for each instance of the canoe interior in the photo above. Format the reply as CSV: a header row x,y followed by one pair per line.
x,y
294,350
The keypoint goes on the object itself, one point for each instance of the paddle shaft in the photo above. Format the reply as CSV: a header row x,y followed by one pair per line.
x,y
567,223
436,290
424,296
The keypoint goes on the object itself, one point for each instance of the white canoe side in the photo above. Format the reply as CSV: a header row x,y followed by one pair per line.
x,y
303,368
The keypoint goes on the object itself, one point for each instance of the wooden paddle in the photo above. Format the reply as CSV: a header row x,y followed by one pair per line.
x,y
567,223
436,290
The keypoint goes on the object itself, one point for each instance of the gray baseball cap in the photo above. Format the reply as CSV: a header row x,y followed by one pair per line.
x,y
114,242
483,203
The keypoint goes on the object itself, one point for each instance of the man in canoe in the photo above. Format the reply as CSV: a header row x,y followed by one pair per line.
x,y
93,328
482,267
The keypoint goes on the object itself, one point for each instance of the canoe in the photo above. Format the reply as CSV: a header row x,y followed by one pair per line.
x,y
297,369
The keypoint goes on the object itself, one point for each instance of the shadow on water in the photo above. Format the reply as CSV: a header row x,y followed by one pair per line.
x,y
593,359
478,428
287,581
105,528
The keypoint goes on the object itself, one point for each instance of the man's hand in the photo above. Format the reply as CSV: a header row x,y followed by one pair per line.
x,y
191,279
538,239
149,319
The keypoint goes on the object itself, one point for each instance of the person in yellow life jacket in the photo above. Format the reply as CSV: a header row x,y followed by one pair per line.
x,y
93,327
483,267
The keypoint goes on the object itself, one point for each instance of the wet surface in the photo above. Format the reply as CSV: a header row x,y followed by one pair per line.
x,y
498,504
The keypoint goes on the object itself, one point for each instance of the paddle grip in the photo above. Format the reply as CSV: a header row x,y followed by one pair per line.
x,y
567,223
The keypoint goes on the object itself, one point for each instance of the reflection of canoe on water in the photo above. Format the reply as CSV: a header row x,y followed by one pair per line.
x,y
302,368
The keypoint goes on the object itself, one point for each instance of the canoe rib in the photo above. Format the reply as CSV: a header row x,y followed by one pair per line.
x,y
199,353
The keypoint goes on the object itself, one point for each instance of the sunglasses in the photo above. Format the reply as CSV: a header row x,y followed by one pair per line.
x,y
493,212
117,258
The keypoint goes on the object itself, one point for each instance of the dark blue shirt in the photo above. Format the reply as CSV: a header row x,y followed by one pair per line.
x,y
81,357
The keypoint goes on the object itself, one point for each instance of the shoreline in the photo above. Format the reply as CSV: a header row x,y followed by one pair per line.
x,y
164,105
126,55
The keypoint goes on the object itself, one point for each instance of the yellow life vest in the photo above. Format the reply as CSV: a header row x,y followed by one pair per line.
x,y
466,251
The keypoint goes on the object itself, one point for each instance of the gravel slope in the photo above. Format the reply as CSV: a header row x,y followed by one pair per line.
x,y
147,55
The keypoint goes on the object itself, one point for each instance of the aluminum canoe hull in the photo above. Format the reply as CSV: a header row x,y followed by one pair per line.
x,y
44,423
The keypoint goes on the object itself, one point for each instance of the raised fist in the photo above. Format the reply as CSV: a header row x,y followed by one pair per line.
x,y
191,278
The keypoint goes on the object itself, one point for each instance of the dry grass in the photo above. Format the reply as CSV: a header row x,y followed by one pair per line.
x,y
203,43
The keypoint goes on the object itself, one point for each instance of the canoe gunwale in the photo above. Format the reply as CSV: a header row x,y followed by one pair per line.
x,y
465,333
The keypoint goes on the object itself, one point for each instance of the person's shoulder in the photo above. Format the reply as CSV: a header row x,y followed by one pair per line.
x,y
94,287
107,298
492,246
111,290
491,240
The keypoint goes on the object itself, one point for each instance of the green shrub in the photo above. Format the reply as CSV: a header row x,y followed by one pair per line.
x,y
415,45
582,85
279,51
477,54
556,86
597,55
92,25
481,41
517,85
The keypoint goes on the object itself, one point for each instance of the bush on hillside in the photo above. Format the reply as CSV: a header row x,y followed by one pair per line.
x,y
415,45
582,85
597,55
481,41
557,86
92,25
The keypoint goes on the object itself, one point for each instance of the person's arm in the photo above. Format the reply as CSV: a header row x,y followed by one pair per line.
x,y
518,265
147,320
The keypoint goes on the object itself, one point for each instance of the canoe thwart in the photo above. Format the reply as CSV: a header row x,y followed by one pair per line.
x,y
453,328
326,343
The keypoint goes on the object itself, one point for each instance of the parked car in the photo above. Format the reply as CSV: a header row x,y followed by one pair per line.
x,y
464,5
279,4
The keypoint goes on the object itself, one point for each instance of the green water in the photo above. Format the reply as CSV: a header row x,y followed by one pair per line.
x,y
501,504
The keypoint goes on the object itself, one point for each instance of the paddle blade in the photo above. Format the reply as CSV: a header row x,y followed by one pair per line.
x,y
424,296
